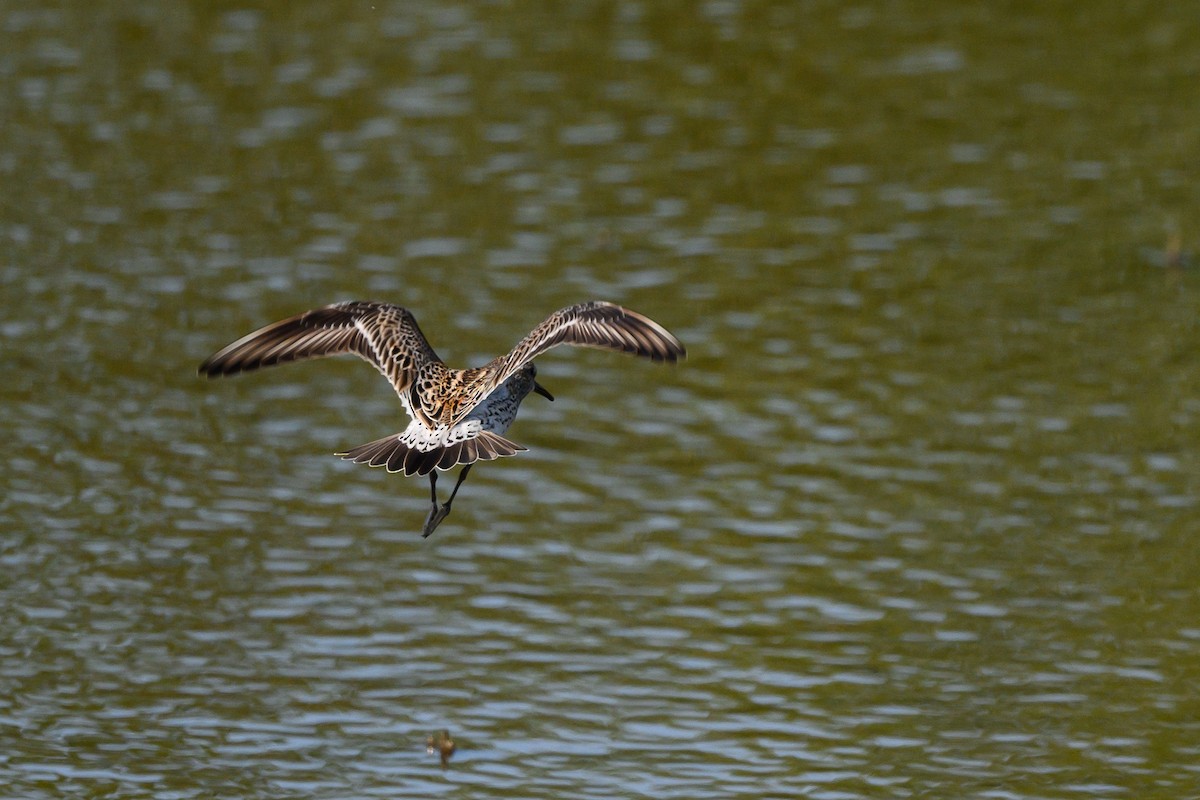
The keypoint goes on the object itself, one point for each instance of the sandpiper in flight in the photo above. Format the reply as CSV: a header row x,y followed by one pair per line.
x,y
459,416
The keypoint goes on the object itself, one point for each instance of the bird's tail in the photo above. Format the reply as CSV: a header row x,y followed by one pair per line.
x,y
391,452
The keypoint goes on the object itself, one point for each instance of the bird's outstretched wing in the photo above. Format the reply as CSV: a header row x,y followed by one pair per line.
x,y
595,324
385,335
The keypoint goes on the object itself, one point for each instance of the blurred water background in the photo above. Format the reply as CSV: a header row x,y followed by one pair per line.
x,y
915,519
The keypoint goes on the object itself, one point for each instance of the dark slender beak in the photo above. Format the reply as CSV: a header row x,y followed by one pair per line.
x,y
537,387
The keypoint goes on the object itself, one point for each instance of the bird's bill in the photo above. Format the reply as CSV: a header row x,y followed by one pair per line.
x,y
537,387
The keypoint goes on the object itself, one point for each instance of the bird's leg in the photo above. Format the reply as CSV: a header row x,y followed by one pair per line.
x,y
436,515
461,476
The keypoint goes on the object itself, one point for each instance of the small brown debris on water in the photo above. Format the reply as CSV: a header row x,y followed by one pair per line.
x,y
442,744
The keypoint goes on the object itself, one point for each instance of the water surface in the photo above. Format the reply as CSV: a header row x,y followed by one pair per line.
x,y
915,519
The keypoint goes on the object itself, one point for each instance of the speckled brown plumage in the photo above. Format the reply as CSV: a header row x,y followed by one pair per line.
x,y
458,416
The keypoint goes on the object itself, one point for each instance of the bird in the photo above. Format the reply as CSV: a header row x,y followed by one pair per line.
x,y
458,416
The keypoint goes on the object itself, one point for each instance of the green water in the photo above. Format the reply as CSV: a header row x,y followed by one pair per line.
x,y
915,519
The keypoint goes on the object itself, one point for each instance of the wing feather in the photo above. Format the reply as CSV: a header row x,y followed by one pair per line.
x,y
384,335
601,325
596,324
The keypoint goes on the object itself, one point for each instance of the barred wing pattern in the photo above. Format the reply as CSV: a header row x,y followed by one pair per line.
x,y
596,324
384,335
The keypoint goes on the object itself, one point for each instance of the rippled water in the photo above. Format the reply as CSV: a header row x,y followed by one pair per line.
x,y
915,519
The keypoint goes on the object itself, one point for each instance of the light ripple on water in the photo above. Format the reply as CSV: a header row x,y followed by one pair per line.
x,y
719,584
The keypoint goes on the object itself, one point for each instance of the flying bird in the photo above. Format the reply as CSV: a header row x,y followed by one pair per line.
x,y
459,416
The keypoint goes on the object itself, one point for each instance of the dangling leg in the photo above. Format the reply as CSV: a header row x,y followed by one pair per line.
x,y
434,518
436,515
433,491
462,475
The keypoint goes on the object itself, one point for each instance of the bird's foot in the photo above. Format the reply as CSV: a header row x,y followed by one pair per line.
x,y
436,515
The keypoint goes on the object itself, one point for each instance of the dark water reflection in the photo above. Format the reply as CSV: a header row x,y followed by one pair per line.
x,y
915,518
